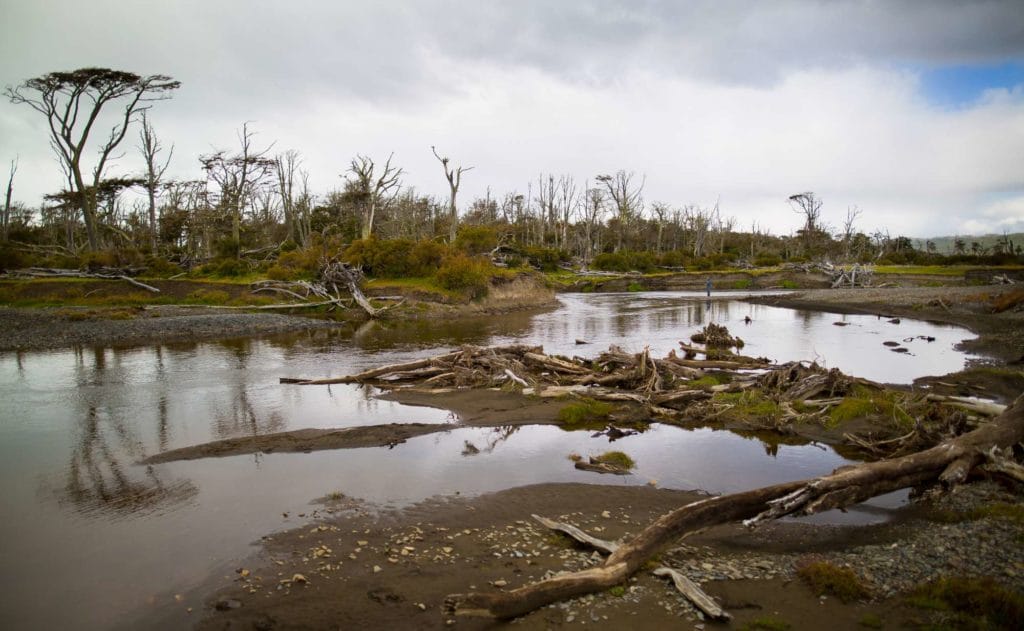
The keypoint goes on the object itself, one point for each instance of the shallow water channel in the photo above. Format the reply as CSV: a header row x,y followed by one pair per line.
x,y
91,540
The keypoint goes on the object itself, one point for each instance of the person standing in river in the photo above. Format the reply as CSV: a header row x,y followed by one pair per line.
x,y
707,286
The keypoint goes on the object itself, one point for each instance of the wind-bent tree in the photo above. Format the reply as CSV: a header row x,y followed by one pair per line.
x,y
454,177
808,205
150,149
72,102
378,190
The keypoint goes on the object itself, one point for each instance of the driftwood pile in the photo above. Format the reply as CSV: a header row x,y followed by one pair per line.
x,y
668,388
856,275
333,277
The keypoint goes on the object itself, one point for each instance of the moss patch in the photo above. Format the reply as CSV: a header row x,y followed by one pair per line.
x,y
583,412
824,578
973,603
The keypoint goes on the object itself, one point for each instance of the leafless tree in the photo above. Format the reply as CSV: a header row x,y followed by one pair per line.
x,y
150,149
296,206
454,177
661,213
5,220
378,189
697,222
628,200
237,176
808,205
72,103
565,205
592,211
849,230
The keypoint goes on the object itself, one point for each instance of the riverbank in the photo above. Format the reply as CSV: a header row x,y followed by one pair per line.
x,y
114,313
353,567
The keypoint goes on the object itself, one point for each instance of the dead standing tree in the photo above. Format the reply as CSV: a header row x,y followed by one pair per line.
x,y
5,220
808,205
150,149
237,176
72,103
454,177
629,202
378,190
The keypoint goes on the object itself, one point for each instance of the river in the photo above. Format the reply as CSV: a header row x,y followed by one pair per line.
x,y
93,541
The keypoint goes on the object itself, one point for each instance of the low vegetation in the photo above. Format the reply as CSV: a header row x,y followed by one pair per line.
x,y
584,412
979,603
826,579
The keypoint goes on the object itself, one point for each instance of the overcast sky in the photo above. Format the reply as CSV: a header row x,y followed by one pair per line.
x,y
912,111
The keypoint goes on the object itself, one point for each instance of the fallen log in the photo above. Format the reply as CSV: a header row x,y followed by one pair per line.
x,y
694,594
844,487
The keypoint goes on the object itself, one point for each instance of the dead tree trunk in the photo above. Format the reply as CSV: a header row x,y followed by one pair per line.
x,y
948,462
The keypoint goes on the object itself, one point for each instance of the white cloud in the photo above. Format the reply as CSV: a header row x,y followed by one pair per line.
x,y
749,103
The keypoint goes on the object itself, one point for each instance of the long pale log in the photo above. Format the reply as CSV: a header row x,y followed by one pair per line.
x,y
556,364
845,486
601,545
694,593
383,370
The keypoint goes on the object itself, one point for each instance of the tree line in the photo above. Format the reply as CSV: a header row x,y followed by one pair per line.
x,y
251,201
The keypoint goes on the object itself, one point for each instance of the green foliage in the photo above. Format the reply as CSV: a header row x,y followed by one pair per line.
x,y
296,264
767,623
975,603
160,267
789,284
748,405
635,287
618,459
208,297
395,258
618,591
825,578
227,248
864,402
545,259
473,239
226,268
767,260
467,275
744,283
584,411
11,258
625,261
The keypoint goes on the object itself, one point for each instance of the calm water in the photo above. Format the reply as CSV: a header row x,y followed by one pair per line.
x,y
93,541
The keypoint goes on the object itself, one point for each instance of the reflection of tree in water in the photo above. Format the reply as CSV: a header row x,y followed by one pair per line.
x,y
99,483
495,437
241,418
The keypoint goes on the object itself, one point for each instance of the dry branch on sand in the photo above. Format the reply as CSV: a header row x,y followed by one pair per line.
x,y
948,463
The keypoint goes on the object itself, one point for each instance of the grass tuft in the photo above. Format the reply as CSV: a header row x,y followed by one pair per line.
x,y
824,578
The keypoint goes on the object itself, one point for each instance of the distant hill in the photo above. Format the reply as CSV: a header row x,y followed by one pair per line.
x,y
944,245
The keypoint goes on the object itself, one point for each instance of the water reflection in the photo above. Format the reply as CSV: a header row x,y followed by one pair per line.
x,y
74,422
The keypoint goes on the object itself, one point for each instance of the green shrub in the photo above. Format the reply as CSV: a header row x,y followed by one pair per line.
x,y
767,260
825,578
467,275
208,297
625,261
229,268
476,239
545,259
789,284
976,603
425,257
295,264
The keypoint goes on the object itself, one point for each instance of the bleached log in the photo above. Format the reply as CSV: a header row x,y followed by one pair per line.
x,y
601,545
844,487
694,594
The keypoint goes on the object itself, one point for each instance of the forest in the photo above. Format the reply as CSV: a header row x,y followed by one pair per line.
x,y
251,209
